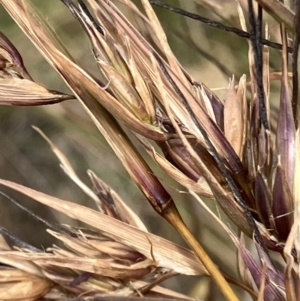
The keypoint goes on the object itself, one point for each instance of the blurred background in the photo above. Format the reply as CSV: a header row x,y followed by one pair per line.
x,y
209,55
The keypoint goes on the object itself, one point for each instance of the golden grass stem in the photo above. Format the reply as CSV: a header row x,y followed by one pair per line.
x,y
174,218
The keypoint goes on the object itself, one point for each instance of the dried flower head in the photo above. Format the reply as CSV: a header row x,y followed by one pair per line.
x,y
232,151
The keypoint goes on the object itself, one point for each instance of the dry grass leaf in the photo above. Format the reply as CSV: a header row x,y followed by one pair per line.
x,y
96,247
165,253
118,298
235,113
279,11
91,265
16,85
23,92
17,285
21,265
160,34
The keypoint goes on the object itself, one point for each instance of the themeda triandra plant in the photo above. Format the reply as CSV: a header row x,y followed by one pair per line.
x,y
232,151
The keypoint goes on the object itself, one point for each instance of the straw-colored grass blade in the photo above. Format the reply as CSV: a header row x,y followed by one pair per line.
x,y
18,285
279,11
23,92
92,265
166,254
235,113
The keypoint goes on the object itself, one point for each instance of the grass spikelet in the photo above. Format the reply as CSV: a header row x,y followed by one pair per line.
x,y
237,150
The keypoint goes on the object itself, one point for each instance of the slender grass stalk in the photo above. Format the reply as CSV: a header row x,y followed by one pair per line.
x,y
174,218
